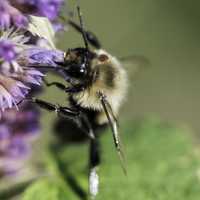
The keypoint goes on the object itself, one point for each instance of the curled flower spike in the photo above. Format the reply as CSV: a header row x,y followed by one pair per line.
x,y
39,56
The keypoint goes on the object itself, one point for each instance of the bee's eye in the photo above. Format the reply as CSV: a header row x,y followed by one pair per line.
x,y
76,71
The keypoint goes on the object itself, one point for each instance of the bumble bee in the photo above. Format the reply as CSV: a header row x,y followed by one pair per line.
x,y
96,87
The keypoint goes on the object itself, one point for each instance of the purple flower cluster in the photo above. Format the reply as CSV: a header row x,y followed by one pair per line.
x,y
15,12
15,81
17,131
18,124
23,47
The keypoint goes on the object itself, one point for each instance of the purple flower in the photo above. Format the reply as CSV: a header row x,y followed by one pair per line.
x,y
38,56
45,8
9,15
15,80
58,27
7,51
49,8
15,12
17,131
16,75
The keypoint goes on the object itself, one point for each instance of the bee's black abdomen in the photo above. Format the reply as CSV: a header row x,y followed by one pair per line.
x,y
67,131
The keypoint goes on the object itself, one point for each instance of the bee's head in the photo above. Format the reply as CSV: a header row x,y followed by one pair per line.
x,y
77,63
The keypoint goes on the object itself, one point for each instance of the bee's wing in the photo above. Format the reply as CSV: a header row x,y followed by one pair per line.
x,y
134,64
42,27
114,127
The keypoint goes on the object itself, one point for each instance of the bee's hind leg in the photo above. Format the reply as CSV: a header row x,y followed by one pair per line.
x,y
94,161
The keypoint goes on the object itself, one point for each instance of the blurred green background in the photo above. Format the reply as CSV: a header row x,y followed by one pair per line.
x,y
163,99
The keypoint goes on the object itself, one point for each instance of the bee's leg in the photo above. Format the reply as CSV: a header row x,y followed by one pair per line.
x,y
56,84
91,37
73,114
94,161
61,111
85,123
62,87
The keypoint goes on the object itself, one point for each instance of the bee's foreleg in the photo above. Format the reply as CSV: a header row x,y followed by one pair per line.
x,y
74,89
61,86
56,84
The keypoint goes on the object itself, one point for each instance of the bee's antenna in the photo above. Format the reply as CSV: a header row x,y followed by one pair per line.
x,y
81,24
